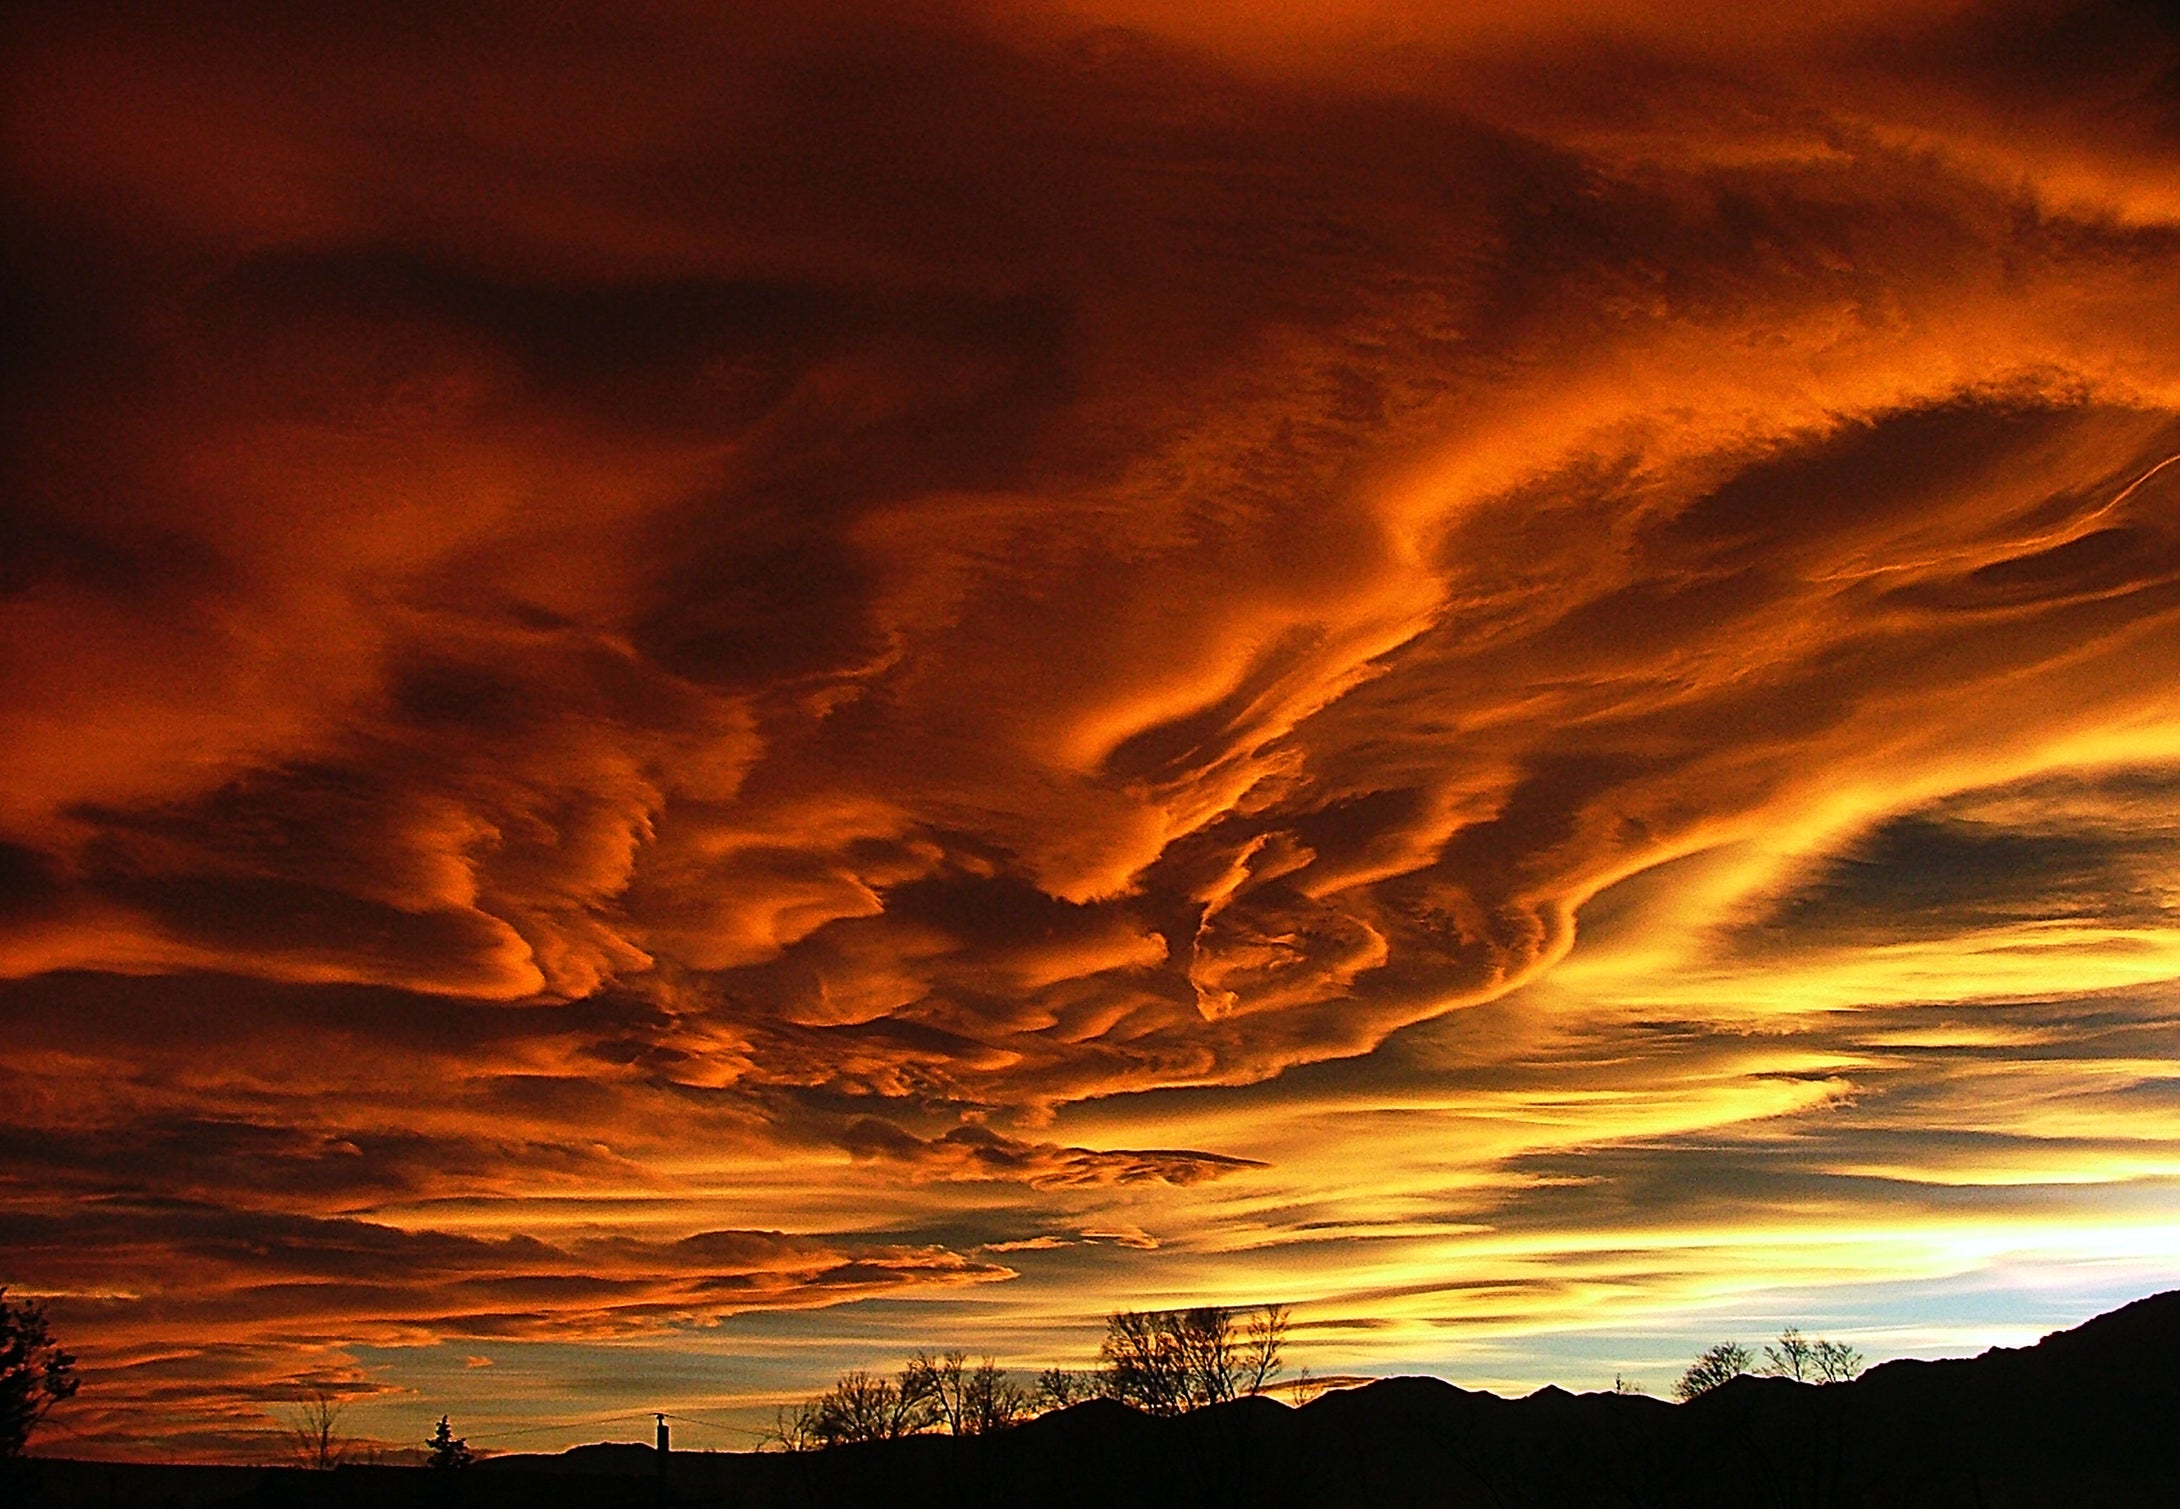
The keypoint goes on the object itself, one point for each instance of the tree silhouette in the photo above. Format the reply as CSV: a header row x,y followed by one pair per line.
x,y
1729,1359
35,1374
1262,1341
1796,1356
314,1428
449,1452
1146,1360
794,1430
1167,1361
1057,1388
864,1407
968,1401
1162,1361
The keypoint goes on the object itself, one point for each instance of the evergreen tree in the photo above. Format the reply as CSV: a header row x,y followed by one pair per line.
x,y
449,1452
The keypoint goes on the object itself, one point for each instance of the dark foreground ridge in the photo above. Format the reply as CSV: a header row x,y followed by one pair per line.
x,y
2089,1416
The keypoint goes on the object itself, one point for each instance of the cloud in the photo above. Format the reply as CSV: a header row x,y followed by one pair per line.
x,y
261,1299
836,619
724,676
974,1152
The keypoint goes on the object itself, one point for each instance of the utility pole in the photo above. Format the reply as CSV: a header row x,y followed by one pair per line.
x,y
662,1458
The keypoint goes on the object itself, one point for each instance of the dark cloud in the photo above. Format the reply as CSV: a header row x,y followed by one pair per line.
x,y
306,1281
976,1152
1942,872
211,1319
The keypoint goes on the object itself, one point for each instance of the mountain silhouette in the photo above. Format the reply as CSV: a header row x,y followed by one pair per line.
x,y
2089,1416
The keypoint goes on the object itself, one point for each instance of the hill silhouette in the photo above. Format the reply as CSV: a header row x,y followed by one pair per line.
x,y
2089,1416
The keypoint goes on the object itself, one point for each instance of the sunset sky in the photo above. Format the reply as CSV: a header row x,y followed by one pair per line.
x,y
694,693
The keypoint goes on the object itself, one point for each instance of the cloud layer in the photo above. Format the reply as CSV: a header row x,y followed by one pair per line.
x,y
660,667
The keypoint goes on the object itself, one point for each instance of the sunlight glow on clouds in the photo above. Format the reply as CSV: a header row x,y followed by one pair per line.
x,y
793,683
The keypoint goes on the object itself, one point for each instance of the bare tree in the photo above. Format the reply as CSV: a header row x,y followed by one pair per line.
x,y
1793,1357
939,1378
968,1401
1304,1387
1204,1338
1057,1388
315,1426
1837,1362
1729,1359
994,1401
931,1392
1260,1348
1145,1363
794,1430
1167,1361
1796,1356
864,1407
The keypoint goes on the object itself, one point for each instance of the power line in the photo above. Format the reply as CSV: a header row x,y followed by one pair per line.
x,y
584,1420
711,1424
590,1420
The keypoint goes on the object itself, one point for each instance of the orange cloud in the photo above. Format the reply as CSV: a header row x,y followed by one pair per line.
x,y
1144,641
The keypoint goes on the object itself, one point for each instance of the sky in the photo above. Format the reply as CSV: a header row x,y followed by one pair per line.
x,y
692,695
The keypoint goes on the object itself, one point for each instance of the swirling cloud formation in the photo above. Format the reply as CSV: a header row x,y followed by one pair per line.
x,y
662,665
